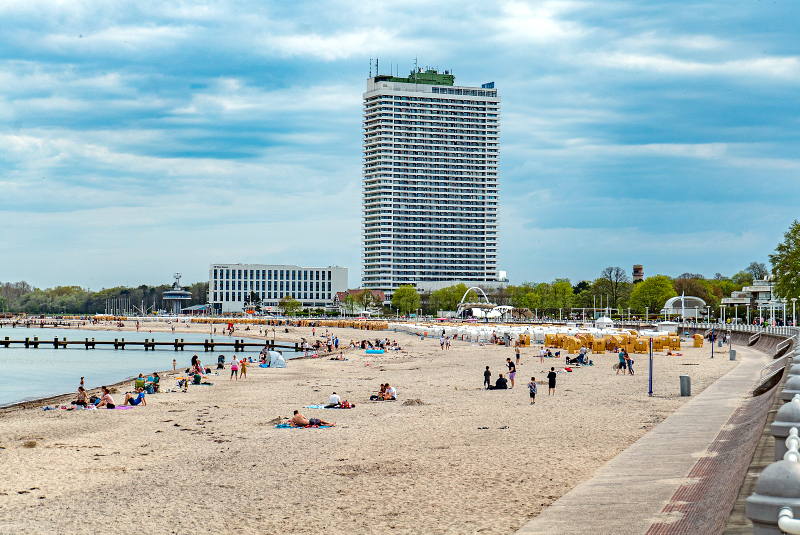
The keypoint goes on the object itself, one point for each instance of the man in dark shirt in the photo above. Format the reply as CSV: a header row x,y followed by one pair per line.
x,y
487,378
551,380
512,371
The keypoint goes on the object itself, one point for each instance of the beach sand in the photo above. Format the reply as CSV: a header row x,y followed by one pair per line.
x,y
212,461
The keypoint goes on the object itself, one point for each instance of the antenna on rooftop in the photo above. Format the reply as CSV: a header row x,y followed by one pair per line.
x,y
416,70
370,67
377,70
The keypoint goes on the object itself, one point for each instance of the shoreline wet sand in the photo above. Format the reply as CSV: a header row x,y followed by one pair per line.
x,y
464,460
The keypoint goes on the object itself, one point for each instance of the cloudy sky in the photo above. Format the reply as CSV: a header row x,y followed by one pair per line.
x,y
142,138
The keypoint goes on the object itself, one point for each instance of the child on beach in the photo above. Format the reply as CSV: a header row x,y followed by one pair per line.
x,y
174,365
243,371
487,378
532,389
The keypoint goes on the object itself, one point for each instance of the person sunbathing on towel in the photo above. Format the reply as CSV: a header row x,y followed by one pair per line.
x,y
298,420
130,399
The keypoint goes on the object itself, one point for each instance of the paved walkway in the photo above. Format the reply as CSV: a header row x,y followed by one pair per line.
x,y
628,493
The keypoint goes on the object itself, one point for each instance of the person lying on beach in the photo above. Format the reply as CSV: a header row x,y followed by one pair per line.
x,y
106,400
340,357
298,420
131,399
82,399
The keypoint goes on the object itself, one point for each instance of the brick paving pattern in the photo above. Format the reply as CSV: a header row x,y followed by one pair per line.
x,y
703,506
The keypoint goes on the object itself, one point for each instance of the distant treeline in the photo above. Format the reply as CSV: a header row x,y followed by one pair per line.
x,y
22,297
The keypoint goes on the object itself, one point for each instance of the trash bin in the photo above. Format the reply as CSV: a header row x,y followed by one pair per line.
x,y
733,354
719,343
686,385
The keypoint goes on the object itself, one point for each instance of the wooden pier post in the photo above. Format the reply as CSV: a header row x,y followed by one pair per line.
x,y
182,345
123,343
55,342
87,343
176,344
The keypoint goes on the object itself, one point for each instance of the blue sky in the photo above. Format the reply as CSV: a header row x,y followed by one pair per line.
x,y
142,138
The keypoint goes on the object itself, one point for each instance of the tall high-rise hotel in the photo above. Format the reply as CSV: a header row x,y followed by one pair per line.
x,y
430,182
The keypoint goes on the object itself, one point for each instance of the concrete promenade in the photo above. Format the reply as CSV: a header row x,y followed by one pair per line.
x,y
648,487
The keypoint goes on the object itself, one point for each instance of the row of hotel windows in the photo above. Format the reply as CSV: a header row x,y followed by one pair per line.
x,y
237,296
259,286
269,274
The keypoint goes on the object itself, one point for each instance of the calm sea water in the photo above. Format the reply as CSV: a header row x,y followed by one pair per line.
x,y
27,374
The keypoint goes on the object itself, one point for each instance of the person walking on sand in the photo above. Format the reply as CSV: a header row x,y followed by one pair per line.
x,y
243,370
512,371
447,343
234,368
532,389
629,362
517,351
487,378
541,355
551,382
174,365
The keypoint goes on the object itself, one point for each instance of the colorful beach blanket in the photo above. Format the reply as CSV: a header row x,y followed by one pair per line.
x,y
287,425
314,407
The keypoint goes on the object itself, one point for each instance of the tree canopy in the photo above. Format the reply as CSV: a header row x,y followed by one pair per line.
x,y
290,305
652,293
405,299
786,263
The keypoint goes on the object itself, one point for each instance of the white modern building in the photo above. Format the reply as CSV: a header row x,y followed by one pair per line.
x,y
430,182
229,285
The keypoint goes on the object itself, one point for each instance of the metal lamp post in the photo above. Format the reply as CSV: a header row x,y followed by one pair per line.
x,y
794,318
708,313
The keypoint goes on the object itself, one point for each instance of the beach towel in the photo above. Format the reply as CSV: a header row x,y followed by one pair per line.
x,y
122,407
314,407
287,425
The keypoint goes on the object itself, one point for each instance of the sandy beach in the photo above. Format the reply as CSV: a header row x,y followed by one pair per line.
x,y
466,460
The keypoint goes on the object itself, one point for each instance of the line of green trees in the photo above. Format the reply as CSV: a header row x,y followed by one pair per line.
x,y
20,297
613,289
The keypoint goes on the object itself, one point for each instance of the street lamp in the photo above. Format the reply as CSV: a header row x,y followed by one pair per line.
x,y
794,318
708,313
646,313
722,313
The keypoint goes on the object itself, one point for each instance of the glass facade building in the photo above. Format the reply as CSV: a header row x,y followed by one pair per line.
x,y
429,179
230,285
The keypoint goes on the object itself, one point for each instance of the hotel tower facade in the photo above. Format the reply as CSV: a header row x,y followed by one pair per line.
x,y
429,182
